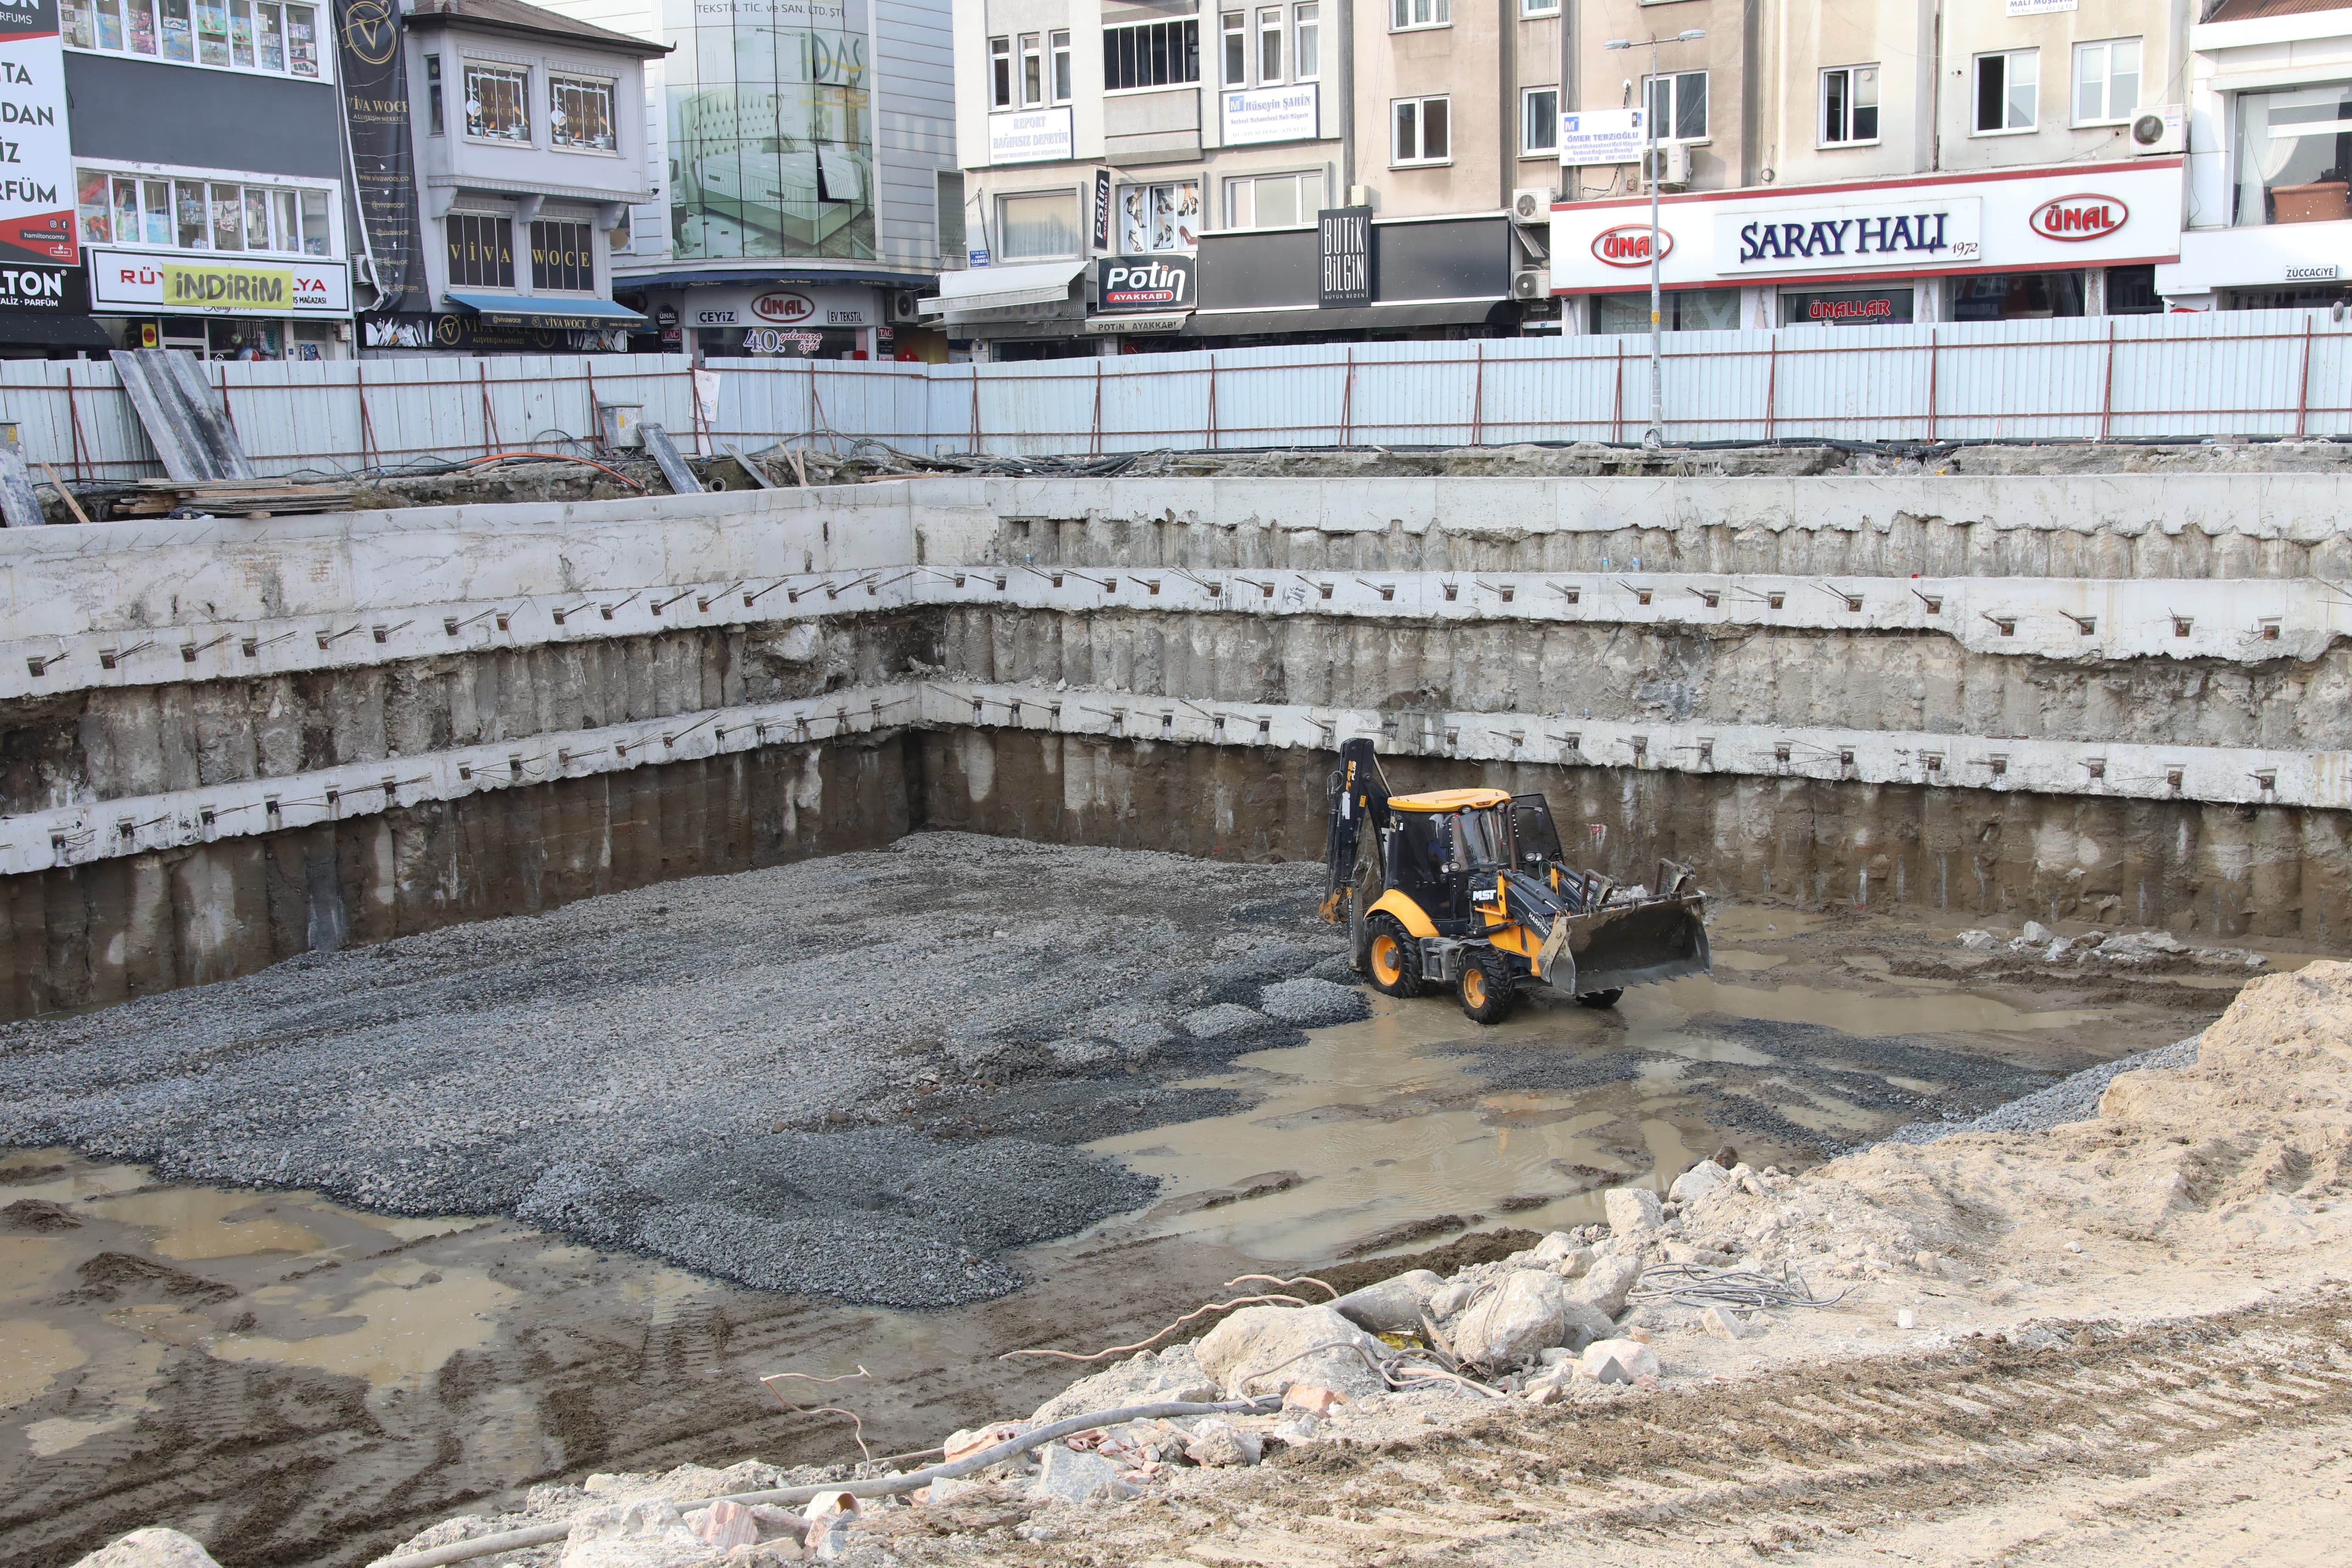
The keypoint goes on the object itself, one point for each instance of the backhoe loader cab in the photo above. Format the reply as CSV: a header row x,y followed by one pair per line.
x,y
1469,888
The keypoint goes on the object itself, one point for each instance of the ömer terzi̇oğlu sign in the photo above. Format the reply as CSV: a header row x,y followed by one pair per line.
x,y
35,158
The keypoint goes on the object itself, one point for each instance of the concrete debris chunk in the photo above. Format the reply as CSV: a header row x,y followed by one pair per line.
x,y
1556,1246
1264,1350
647,1533
1632,1211
1697,1181
2036,934
1065,1475
1618,1361
1148,1377
1392,1306
1313,1004
724,1525
1314,1400
1977,941
1608,1283
1222,1445
150,1548
1221,1022
1724,1323
1505,1327
2139,947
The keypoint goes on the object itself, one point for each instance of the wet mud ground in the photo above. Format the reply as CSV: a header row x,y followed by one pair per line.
x,y
297,1381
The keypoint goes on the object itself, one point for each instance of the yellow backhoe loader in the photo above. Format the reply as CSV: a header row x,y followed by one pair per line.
x,y
1468,889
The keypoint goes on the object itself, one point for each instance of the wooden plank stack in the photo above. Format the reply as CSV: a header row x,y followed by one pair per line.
x,y
226,498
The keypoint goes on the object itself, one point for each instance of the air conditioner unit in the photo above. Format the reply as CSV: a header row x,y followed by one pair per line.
x,y
2155,130
1673,164
1531,204
906,305
1532,284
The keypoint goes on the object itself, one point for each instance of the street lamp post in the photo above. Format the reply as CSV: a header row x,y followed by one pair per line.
x,y
1655,436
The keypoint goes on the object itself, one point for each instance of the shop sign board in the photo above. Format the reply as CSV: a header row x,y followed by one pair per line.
x,y
1938,232
792,305
373,74
153,283
36,188
1140,284
1102,209
1594,136
58,290
1029,136
2035,7
2102,214
453,332
1270,114
1344,243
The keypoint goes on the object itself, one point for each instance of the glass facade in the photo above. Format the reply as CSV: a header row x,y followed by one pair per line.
x,y
771,129
2295,155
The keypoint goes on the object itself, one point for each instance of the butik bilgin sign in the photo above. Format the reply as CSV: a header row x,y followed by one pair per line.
x,y
1909,234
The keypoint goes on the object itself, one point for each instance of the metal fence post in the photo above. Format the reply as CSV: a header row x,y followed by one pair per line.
x,y
2107,387
1212,433
1771,385
1094,447
2303,382
1348,400
1478,399
1931,383
1617,397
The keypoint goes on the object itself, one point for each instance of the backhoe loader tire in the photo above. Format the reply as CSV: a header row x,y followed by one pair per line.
x,y
1601,998
1391,957
1486,990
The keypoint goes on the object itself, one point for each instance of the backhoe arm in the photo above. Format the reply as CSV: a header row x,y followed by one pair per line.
x,y
1360,796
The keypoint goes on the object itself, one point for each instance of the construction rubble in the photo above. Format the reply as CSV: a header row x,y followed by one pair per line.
x,y
2233,1165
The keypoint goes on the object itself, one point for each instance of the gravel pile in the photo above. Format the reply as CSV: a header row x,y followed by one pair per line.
x,y
861,1077
2072,1099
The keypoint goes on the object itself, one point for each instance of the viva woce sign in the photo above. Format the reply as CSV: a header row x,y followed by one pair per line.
x,y
35,159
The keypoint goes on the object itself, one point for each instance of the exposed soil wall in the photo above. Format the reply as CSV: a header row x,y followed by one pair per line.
x,y
88,935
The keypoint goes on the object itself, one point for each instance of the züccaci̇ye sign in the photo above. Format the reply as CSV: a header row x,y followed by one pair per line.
x,y
2076,218
1628,245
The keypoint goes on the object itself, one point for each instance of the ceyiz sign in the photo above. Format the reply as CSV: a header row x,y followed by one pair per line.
x,y
2073,219
1628,245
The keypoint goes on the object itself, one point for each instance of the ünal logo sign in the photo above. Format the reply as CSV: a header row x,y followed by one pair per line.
x,y
782,306
2075,218
1628,245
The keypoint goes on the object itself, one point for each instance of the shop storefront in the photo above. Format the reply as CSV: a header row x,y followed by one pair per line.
x,y
2289,241
222,308
45,313
2006,245
803,321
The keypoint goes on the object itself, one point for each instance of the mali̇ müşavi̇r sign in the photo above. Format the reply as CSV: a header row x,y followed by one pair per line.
x,y
36,157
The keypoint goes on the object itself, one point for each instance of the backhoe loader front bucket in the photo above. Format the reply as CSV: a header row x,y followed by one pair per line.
x,y
1627,944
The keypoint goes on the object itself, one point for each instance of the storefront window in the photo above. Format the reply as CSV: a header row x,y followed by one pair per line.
x,y
1159,218
2017,297
1847,308
2131,291
1273,201
2293,151
121,209
1679,310
498,102
481,250
179,32
241,35
1037,228
580,114
212,33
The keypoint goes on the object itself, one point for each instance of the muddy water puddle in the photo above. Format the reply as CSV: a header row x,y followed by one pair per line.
x,y
299,1382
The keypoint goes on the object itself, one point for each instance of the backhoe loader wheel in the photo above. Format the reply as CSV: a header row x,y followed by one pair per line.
x,y
1601,998
1487,992
1392,957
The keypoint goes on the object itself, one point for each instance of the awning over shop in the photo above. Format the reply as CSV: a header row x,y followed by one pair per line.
x,y
520,311
1370,319
52,329
1003,288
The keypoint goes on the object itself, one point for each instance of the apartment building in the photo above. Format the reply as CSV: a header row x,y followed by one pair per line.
x,y
1148,173
2270,163
1872,162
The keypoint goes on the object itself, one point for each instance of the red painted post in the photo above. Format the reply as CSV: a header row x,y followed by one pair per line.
x,y
1771,386
975,408
1478,400
1094,448
73,419
2107,392
1212,441
1348,400
1931,384
359,385
489,422
2303,388
1617,397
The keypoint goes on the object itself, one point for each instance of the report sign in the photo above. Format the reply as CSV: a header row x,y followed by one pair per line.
x,y
37,187
1029,137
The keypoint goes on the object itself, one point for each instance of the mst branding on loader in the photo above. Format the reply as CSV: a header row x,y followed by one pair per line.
x,y
1468,888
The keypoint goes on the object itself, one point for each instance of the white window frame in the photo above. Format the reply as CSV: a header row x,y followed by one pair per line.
x,y
468,63
1118,214
2007,83
1533,10
1307,22
1421,131
1528,120
1061,77
612,111
322,43
1402,18
1674,80
1177,86
1821,138
1233,44
1030,61
2106,49
1070,193
1270,30
127,170
1234,184
1001,89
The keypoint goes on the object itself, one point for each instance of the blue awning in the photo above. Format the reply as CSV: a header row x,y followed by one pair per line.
x,y
522,310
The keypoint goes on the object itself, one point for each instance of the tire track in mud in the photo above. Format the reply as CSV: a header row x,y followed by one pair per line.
x,y
1791,1458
